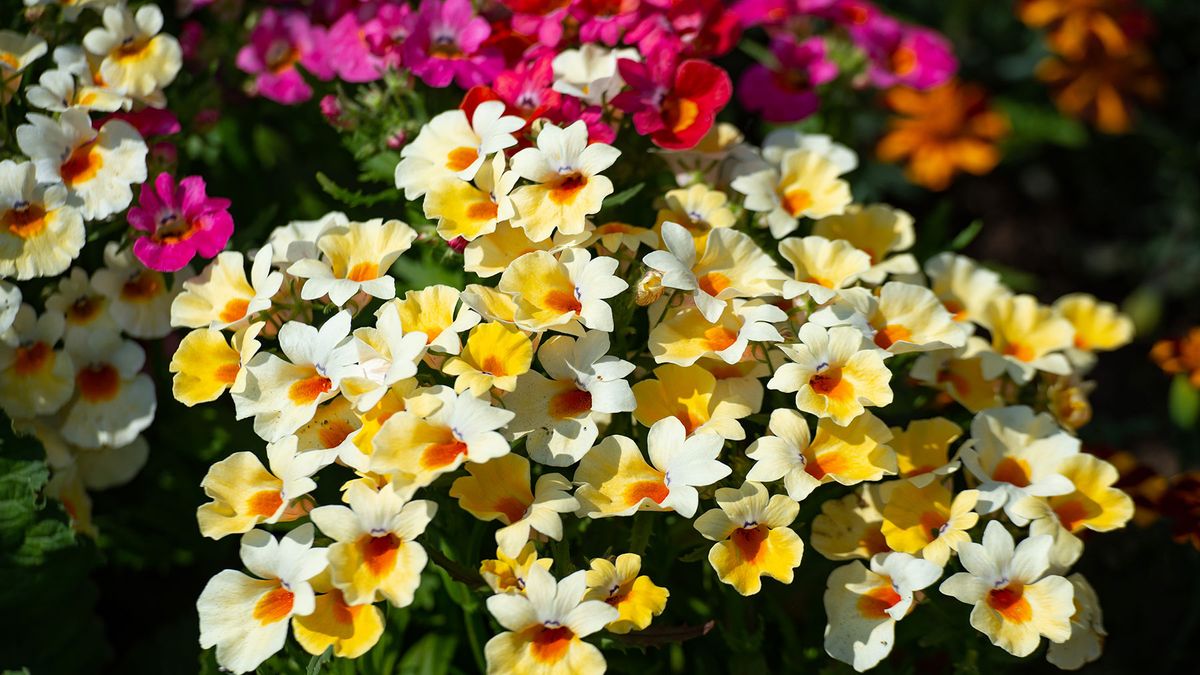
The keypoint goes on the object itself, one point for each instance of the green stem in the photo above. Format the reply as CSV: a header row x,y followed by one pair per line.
x,y
473,638
643,527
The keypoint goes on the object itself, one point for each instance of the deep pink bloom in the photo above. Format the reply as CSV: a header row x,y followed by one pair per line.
x,y
775,12
350,51
148,121
386,31
526,89
541,19
279,41
699,28
447,44
179,222
788,93
675,106
605,20
903,54
853,14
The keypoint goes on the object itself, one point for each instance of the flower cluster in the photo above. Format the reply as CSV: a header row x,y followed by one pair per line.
x,y
703,370
1102,64
71,373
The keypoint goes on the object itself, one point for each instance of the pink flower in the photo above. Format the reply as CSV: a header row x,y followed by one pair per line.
x,y
605,20
788,92
902,54
541,19
148,121
387,30
179,222
447,44
278,42
674,106
527,88
352,57
699,28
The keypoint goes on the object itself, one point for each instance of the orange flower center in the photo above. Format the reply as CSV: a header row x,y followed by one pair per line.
x,y
25,222
85,309
83,164
379,553
797,201
1012,470
31,358
333,433
307,390
492,365
235,310
98,383
275,605
680,113
511,508
654,490
891,334
830,383
264,503
568,188
875,603
1021,352
482,210
227,372
827,463
145,286
460,158
550,645
713,283
441,455
365,271
563,302
1011,603
750,541
719,338
570,403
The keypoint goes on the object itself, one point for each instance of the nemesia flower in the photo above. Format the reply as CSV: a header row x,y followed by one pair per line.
x,y
942,131
495,355
850,527
334,428
500,490
674,103
375,554
590,72
449,43
464,428
614,480
508,574
923,449
35,377
280,41
615,235
730,266
1026,337
114,401
877,230
140,298
469,210
431,311
490,255
806,185
863,605
246,494
832,375
356,259
298,239
925,521
1099,326
753,538
138,61
705,161
1015,454
693,396
698,209
965,288
180,222
782,141
17,52
568,294
205,365
822,267
351,630
786,92
619,584
1015,602
40,233
847,454
453,145
387,355
96,166
85,308
899,318
1087,629
559,415
685,336
959,375
245,617
544,626
282,395
566,182
222,298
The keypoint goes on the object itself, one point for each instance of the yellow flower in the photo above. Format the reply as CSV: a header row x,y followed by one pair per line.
x,y
620,585
221,297
431,311
698,209
567,294
693,396
964,287
494,356
753,537
1014,602
878,230
491,254
685,336
508,574
924,519
807,185
205,365
350,629
40,233
35,378
1099,326
959,374
850,527
923,449
942,131
375,553
139,61
1087,629
1026,337
357,257
832,375
822,267
467,210
900,318
614,235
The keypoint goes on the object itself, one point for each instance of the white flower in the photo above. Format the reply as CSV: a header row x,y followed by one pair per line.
x,y
590,72
566,183
246,618
35,378
356,259
97,167
40,234
298,239
138,61
114,400
57,91
85,308
387,355
451,146
140,300
221,297
780,142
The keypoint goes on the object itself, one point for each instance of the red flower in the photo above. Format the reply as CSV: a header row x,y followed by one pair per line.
x,y
674,106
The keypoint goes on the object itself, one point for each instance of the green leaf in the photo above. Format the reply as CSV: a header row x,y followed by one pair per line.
x,y
318,662
1184,402
354,197
964,238
623,196
1035,124
431,655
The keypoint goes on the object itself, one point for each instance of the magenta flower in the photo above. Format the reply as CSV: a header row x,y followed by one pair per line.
x,y
387,31
527,88
788,92
278,42
605,20
179,222
902,54
355,61
447,44
542,20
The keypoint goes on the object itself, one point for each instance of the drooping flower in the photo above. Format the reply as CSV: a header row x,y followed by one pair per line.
x,y
850,527
1099,326
500,490
863,605
1087,629
179,222
619,584
351,630
786,91
674,103
615,480
375,554
246,618
205,364
753,538
1015,601
544,626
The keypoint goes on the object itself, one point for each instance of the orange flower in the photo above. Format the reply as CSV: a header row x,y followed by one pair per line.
x,y
1180,355
1075,25
1101,88
942,131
